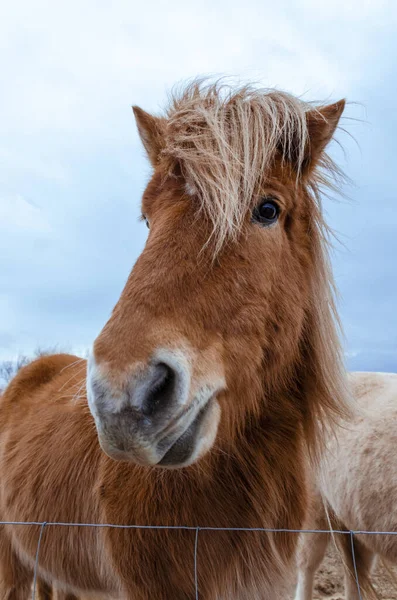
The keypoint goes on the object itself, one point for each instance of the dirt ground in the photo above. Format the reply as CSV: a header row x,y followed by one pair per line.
x,y
329,580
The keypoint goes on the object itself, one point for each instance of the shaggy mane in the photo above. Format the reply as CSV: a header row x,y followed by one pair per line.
x,y
225,140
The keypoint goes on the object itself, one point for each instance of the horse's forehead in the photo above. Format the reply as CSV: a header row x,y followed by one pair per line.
x,y
281,180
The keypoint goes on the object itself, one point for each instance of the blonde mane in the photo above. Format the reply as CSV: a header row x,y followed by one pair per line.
x,y
225,141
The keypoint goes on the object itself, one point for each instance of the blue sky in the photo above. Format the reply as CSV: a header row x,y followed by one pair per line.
x,y
72,169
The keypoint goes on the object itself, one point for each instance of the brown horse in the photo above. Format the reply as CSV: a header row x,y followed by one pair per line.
x,y
209,386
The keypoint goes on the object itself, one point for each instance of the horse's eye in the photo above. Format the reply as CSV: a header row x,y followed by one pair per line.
x,y
266,212
146,220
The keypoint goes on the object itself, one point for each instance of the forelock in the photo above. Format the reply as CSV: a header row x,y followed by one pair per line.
x,y
225,141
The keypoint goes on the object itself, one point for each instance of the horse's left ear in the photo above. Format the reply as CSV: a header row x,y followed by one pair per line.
x,y
321,126
151,132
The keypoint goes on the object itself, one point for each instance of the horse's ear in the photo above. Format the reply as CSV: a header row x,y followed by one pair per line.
x,y
321,125
151,132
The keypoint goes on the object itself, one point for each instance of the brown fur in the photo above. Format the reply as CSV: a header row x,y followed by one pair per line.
x,y
263,297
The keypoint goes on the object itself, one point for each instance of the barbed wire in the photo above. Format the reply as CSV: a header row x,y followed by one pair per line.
x,y
197,530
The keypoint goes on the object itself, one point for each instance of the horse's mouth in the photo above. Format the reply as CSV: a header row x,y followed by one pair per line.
x,y
182,450
179,446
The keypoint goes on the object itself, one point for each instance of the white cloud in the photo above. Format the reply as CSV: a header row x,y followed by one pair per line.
x,y
40,165
352,353
16,214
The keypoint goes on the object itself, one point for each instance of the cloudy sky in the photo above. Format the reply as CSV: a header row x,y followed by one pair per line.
x,y
72,169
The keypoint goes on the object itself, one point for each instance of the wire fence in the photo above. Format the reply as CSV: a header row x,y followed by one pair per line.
x,y
44,524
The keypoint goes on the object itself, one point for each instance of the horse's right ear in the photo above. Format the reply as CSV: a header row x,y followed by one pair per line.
x,y
151,132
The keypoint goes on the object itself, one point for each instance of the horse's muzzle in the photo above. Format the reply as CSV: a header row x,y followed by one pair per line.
x,y
153,415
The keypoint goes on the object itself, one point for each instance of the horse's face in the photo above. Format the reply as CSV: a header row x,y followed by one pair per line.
x,y
193,339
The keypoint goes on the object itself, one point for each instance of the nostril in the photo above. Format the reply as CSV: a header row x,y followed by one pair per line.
x,y
160,390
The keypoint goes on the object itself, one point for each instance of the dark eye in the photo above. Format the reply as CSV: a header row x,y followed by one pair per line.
x,y
266,212
146,220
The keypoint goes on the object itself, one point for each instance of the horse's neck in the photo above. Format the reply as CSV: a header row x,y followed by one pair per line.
x,y
250,484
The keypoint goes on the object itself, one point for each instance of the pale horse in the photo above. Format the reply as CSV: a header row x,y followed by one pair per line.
x,y
356,489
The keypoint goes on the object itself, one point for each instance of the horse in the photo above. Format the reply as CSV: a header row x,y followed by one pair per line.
x,y
208,390
356,490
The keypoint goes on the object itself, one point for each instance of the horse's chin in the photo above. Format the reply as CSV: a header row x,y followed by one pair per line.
x,y
187,449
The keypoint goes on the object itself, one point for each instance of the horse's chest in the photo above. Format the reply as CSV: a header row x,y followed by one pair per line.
x,y
163,564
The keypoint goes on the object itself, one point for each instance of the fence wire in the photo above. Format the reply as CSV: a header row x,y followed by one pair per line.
x,y
46,524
